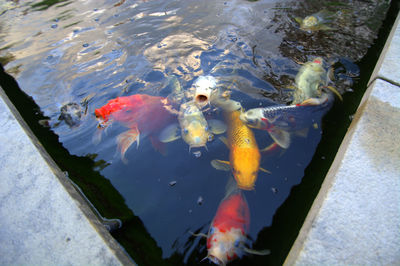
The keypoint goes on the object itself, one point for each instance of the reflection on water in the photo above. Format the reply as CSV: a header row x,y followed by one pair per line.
x,y
85,53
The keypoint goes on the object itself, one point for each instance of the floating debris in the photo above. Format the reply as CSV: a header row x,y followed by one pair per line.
x,y
71,114
172,183
200,200
274,190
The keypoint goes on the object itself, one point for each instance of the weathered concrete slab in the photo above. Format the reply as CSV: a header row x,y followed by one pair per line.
x,y
389,60
42,219
358,222
355,219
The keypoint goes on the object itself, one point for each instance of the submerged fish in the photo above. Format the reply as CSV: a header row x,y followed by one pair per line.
x,y
227,234
143,114
317,21
282,120
195,129
177,95
244,157
71,113
310,80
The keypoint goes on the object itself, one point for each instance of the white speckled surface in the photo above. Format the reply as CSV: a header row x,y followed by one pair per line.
x,y
390,68
40,224
359,221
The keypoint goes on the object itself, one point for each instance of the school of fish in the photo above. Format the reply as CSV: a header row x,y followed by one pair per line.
x,y
180,116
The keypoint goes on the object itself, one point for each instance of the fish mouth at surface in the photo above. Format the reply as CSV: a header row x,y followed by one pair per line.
x,y
201,98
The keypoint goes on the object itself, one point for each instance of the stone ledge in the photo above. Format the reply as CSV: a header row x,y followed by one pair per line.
x,y
355,219
44,221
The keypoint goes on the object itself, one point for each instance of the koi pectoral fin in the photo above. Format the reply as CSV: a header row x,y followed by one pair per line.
x,y
281,137
311,101
221,165
97,137
257,252
224,140
216,126
271,147
170,133
199,234
126,139
335,92
264,170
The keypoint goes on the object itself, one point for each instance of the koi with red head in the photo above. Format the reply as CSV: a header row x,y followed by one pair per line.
x,y
228,231
144,115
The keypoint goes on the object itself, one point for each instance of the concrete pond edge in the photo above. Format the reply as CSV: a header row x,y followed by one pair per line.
x,y
109,245
321,240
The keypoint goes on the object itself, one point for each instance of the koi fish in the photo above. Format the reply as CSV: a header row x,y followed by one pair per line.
x,y
309,81
244,157
317,21
282,120
143,114
228,231
195,129
204,87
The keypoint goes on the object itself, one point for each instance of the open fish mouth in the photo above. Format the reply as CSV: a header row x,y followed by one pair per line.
x,y
197,145
215,260
201,99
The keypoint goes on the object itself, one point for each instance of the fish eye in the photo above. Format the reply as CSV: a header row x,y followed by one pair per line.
x,y
185,131
236,243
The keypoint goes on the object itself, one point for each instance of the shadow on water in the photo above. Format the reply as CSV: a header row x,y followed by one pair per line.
x,y
45,4
97,189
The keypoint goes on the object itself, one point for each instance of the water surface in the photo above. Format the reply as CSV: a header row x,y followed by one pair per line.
x,y
88,52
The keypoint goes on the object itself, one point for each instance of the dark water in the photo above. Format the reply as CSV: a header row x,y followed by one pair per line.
x,y
88,52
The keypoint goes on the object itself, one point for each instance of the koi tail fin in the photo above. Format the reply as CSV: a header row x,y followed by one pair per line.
x,y
126,139
231,187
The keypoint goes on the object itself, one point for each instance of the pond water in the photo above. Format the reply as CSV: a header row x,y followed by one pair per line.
x,y
85,53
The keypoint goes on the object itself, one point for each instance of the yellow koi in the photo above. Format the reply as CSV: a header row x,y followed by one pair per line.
x,y
244,158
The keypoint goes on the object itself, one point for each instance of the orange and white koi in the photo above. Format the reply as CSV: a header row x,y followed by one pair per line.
x,y
227,235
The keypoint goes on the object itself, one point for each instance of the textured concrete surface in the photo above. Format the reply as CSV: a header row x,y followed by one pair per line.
x,y
389,61
42,219
355,219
